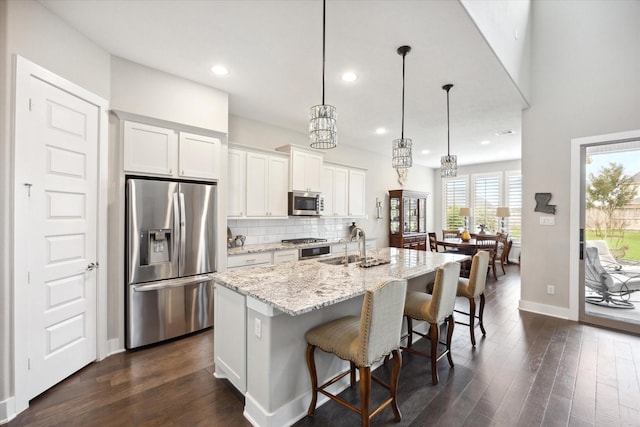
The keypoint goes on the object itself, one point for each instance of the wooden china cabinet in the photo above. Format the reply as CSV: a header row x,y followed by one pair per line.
x,y
408,219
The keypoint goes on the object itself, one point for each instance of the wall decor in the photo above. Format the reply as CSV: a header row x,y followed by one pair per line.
x,y
542,203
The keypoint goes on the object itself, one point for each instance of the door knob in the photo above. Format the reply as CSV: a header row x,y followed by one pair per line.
x,y
92,266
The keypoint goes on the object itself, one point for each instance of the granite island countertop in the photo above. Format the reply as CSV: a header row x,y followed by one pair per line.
x,y
278,246
299,287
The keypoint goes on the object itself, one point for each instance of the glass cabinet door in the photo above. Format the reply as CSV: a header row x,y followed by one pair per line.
x,y
422,215
410,215
394,215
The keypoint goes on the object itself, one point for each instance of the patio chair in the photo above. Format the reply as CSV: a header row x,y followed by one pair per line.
x,y
612,289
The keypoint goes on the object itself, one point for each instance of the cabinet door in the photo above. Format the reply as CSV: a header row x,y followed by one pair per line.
x,y
236,174
149,149
257,184
356,192
335,189
306,170
199,156
278,176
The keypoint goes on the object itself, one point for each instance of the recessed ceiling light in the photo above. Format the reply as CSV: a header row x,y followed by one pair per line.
x,y
485,142
425,151
381,131
219,70
349,76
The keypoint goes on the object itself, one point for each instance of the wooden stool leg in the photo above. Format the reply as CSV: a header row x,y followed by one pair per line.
x,y
481,314
472,318
409,331
352,374
311,365
395,376
365,394
434,335
450,327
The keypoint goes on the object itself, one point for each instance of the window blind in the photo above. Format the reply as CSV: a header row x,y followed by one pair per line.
x,y
455,197
486,199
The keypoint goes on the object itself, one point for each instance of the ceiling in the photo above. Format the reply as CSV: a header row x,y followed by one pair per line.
x,y
273,50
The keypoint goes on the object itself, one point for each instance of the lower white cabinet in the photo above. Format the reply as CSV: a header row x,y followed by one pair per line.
x,y
248,260
285,256
230,344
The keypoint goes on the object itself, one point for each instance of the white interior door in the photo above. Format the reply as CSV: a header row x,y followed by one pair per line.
x,y
61,234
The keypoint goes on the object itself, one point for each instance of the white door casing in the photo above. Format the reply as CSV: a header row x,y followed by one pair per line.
x,y
60,179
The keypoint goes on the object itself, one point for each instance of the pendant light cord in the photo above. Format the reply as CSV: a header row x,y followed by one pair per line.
x,y
402,131
448,128
324,13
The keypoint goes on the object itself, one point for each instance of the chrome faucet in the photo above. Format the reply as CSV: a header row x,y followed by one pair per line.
x,y
354,233
346,251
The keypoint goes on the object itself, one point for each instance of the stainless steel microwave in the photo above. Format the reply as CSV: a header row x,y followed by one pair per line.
x,y
309,203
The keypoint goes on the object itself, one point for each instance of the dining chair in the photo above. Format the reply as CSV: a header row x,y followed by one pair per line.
x,y
363,341
433,242
450,234
504,247
472,288
489,243
436,309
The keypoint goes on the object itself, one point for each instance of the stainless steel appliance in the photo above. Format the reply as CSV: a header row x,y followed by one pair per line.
x,y
303,203
170,250
310,252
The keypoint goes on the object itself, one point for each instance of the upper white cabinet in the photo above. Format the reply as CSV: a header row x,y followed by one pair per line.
x,y
161,151
335,189
305,169
149,149
357,179
199,156
267,179
237,190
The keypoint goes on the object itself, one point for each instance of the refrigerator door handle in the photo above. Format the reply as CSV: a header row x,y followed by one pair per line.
x,y
182,233
177,231
164,284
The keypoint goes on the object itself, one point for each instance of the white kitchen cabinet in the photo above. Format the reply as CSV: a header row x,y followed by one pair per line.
x,y
335,190
199,156
237,175
149,149
267,178
357,179
280,257
305,173
162,151
248,260
230,344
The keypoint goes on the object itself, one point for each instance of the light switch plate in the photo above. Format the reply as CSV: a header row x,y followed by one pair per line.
x,y
547,220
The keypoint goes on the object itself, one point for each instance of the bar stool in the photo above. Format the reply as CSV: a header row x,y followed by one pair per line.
x,y
363,341
472,288
436,309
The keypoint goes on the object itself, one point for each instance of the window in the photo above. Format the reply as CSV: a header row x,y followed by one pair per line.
x,y
514,202
455,196
486,191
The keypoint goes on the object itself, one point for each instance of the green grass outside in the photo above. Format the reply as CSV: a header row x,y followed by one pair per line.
x,y
631,239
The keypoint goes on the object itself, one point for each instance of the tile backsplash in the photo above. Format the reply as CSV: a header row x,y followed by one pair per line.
x,y
274,230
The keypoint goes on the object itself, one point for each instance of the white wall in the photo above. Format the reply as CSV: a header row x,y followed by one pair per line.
x,y
506,26
585,68
381,177
64,51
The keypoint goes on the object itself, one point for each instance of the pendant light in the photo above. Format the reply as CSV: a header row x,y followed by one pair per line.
x,y
322,118
401,154
448,163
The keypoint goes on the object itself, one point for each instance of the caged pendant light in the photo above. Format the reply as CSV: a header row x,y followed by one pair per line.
x,y
401,154
322,118
448,163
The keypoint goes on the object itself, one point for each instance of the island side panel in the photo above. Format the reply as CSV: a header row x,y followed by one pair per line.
x,y
278,385
230,321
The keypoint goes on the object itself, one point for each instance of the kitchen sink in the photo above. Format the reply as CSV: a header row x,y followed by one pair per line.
x,y
339,260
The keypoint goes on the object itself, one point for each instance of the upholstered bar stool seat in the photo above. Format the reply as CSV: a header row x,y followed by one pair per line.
x,y
363,341
435,309
472,288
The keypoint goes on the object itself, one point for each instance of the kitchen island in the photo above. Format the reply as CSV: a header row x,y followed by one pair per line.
x,y
262,314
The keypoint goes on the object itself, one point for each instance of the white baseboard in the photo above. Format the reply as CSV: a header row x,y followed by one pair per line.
x,y
7,410
547,310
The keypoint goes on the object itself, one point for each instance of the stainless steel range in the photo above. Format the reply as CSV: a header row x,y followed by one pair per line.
x,y
310,252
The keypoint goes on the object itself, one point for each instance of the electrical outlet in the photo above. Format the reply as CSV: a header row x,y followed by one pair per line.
x,y
258,328
551,290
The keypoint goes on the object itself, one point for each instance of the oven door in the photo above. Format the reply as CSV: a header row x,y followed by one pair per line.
x,y
306,253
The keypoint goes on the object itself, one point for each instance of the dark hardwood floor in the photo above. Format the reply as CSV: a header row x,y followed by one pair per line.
x,y
530,370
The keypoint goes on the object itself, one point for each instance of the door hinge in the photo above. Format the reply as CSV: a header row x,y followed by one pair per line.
x,y
30,104
28,363
28,185
28,277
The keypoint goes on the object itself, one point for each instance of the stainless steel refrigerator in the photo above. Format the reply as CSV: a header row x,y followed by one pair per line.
x,y
170,238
